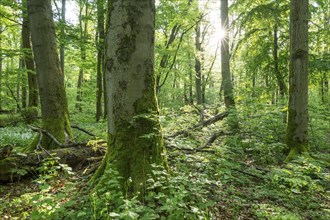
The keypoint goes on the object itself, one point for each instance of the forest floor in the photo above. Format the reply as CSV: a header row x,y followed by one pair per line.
x,y
238,175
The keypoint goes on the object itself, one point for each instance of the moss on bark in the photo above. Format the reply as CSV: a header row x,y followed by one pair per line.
x,y
58,127
131,151
295,151
135,138
297,146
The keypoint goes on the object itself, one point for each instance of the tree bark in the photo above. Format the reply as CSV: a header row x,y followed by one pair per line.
x,y
324,87
135,139
198,69
24,92
83,40
100,57
1,66
278,75
298,79
191,96
54,107
227,85
28,59
19,83
62,44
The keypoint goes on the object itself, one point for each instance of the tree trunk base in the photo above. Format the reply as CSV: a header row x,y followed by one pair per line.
x,y
295,151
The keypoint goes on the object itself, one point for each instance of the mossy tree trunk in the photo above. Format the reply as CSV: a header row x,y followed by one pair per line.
x,y
135,139
298,79
53,100
28,59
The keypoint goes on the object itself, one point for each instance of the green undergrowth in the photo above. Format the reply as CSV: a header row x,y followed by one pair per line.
x,y
238,176
9,119
18,135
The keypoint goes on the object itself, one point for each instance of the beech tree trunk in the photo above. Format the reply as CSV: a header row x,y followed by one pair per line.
x,y
298,79
100,57
62,45
198,68
227,85
19,83
1,67
28,59
135,139
54,108
24,90
83,23
324,87
279,77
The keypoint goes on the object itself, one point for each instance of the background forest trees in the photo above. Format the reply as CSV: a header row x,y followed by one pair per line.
x,y
259,51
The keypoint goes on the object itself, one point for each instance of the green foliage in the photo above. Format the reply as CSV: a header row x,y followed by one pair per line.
x,y
243,178
49,197
19,136
30,114
172,196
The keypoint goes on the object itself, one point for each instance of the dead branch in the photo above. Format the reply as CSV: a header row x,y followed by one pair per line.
x,y
192,150
45,132
83,130
213,138
202,124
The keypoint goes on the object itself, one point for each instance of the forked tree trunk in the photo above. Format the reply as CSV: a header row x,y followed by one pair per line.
x,y
28,59
135,139
298,79
53,100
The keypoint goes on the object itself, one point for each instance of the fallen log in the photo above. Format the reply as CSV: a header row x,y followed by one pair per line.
x,y
18,165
